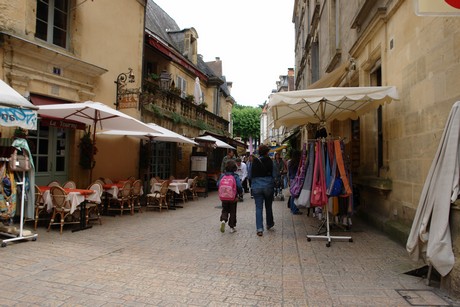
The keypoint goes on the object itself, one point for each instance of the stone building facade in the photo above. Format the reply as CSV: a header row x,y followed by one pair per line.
x,y
383,43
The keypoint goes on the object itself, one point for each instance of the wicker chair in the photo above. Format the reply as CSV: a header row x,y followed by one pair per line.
x,y
61,207
40,206
54,183
93,208
123,201
159,199
69,185
192,189
136,195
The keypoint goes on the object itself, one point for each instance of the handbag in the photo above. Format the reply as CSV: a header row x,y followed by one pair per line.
x,y
19,163
318,193
297,183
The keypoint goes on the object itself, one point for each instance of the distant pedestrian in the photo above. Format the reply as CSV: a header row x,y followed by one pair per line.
x,y
262,185
229,204
242,172
230,156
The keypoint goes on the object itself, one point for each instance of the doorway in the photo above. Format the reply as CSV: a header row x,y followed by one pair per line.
x,y
49,148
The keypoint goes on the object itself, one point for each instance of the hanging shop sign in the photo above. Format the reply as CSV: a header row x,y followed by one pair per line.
x,y
128,98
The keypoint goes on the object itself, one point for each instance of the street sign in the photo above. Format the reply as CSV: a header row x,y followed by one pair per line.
x,y
437,7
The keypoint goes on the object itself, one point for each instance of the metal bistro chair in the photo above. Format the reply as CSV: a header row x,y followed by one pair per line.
x,y
61,207
123,201
92,207
159,199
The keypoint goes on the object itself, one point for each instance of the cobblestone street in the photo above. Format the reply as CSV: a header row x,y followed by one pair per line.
x,y
180,258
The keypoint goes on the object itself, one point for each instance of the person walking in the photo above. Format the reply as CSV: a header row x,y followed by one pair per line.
x,y
280,171
230,156
228,213
262,185
292,166
242,172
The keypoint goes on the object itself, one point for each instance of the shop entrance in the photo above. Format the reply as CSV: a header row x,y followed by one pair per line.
x,y
49,148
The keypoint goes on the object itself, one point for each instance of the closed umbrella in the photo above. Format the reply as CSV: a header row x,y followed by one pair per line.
x,y
430,237
197,93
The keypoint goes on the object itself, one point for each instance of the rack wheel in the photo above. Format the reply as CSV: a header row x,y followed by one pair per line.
x,y
351,240
34,239
328,244
308,239
3,244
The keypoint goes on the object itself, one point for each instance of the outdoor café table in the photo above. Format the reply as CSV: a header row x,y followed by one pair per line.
x,y
76,197
176,187
111,189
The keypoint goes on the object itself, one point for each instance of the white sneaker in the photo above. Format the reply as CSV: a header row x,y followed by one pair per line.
x,y
232,230
222,226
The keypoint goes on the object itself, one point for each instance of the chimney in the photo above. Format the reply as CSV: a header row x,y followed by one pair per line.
x,y
290,80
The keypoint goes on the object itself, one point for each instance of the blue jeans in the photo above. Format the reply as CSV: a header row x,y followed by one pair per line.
x,y
292,205
261,196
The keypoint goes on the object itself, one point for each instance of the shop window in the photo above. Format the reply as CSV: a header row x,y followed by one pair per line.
x,y
53,21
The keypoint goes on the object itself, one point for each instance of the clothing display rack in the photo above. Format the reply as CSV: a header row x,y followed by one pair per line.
x,y
327,236
326,220
11,231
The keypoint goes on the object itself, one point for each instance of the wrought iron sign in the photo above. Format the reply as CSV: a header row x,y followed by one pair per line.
x,y
126,97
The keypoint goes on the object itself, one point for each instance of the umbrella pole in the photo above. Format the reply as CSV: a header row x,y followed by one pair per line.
x,y
92,155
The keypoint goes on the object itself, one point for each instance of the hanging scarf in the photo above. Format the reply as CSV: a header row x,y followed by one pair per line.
x,y
318,194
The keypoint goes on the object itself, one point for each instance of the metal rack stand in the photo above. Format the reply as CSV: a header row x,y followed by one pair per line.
x,y
328,236
21,235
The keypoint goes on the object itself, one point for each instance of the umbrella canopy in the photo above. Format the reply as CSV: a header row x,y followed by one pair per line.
x,y
197,93
165,135
15,110
218,142
325,104
430,237
97,115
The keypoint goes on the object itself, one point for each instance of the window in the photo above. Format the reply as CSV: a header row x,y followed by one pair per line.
x,y
53,21
182,85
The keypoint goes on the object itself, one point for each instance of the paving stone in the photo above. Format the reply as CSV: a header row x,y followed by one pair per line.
x,y
180,258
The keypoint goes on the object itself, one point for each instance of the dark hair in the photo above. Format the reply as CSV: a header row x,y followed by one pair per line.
x,y
231,166
263,150
238,159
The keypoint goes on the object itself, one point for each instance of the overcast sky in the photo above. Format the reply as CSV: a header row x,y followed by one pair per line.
x,y
253,38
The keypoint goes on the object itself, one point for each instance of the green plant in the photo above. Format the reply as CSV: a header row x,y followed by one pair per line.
x,y
154,76
189,97
87,151
20,133
204,105
176,118
156,110
174,90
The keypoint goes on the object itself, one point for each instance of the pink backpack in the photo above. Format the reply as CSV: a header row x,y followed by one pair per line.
x,y
227,188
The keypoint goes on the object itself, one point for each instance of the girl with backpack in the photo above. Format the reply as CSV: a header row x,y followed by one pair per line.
x,y
229,185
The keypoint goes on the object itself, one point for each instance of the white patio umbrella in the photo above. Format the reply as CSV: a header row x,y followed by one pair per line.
x,y
219,143
15,110
98,116
325,104
197,93
166,135
430,237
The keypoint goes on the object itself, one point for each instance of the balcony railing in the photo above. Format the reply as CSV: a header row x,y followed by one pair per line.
x,y
165,103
